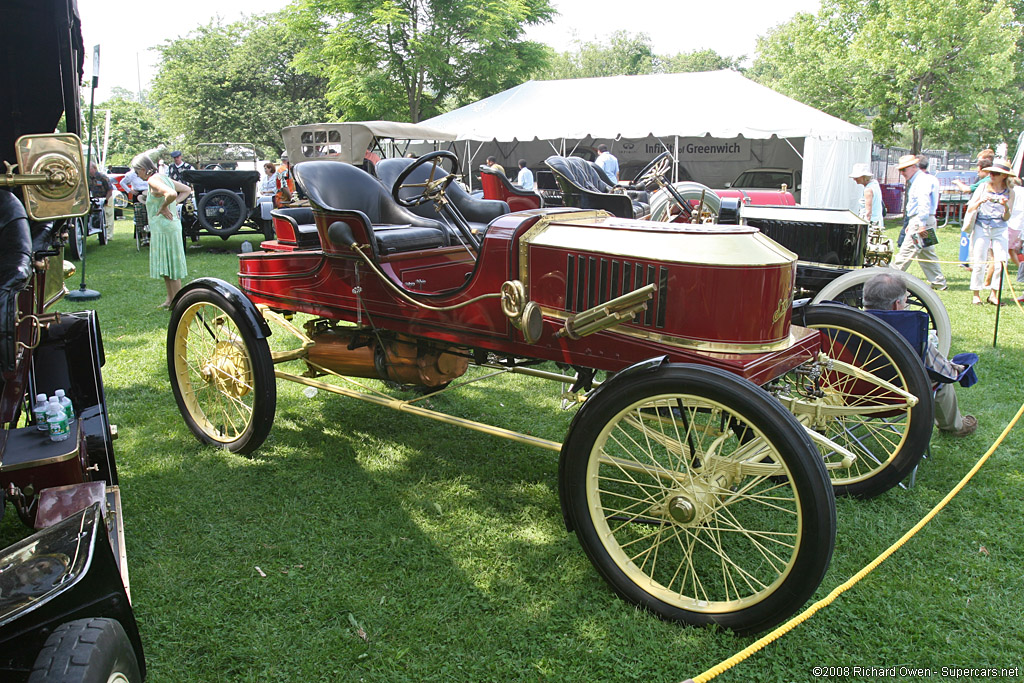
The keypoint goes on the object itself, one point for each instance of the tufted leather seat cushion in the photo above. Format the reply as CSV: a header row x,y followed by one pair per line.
x,y
337,186
584,185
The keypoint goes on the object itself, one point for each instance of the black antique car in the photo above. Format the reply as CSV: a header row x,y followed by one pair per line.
x,y
224,200
65,610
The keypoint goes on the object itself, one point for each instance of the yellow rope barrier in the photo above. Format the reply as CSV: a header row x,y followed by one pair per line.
x,y
732,661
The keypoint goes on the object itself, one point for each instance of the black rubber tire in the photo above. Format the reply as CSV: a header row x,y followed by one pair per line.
x,y
87,651
888,445
76,238
618,491
849,289
99,221
221,212
221,374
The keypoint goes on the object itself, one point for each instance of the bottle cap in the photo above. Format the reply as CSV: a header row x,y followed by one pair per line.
x,y
59,393
40,398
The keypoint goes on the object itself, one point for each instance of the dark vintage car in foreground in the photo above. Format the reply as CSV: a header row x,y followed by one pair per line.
x,y
698,474
65,610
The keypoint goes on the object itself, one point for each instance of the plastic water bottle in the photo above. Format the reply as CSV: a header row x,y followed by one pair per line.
x,y
65,403
57,422
40,414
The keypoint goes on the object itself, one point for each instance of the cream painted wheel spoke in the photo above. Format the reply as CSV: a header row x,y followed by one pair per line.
x,y
673,504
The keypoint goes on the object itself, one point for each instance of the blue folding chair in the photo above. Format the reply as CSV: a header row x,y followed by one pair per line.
x,y
912,326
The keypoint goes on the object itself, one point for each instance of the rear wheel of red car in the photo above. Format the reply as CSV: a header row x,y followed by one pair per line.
x,y
699,498
887,434
221,211
87,651
221,373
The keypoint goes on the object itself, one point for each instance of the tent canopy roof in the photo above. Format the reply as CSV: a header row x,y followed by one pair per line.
x,y
721,104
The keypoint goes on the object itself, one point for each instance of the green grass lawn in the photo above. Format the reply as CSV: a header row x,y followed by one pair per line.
x,y
400,549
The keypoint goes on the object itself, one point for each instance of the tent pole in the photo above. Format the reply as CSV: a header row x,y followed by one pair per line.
x,y
794,149
675,166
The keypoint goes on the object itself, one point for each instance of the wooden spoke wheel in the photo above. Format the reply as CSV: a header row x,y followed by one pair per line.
x,y
699,498
221,373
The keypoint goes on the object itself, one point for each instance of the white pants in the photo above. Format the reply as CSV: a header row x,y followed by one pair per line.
x,y
108,215
926,257
983,238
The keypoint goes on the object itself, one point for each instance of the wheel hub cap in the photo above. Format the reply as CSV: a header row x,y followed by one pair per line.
x,y
227,369
682,510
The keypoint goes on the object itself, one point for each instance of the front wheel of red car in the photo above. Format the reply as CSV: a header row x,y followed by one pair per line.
x,y
87,651
698,498
221,373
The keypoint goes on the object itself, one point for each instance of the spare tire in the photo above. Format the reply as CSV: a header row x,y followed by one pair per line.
x,y
221,211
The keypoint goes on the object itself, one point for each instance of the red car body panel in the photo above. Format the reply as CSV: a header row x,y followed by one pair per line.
x,y
759,197
750,336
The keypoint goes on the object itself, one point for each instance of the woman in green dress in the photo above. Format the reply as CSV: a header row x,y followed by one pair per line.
x,y
166,251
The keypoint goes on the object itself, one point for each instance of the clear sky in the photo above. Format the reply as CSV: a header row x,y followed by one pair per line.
x,y
126,31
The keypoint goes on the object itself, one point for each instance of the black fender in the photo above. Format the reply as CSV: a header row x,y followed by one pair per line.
x,y
253,318
74,575
649,366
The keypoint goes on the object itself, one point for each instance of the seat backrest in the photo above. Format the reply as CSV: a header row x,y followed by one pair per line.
x,y
337,186
583,188
601,174
912,326
497,186
473,209
579,172
491,183
301,215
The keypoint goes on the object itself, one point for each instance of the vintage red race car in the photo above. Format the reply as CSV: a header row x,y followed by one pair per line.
x,y
696,475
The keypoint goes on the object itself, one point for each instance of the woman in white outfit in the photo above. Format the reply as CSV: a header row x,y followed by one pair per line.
x,y
993,202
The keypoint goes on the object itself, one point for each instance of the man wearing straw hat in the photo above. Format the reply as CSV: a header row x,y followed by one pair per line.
x,y
920,242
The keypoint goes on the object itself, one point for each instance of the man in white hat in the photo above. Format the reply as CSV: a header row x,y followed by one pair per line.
x,y
921,225
871,201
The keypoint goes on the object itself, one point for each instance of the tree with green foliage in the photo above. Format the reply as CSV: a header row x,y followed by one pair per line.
x,y
808,59
236,83
134,127
412,59
621,54
910,69
699,60
941,69
626,54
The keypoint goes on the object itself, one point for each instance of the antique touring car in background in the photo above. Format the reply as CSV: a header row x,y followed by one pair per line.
x,y
698,476
65,610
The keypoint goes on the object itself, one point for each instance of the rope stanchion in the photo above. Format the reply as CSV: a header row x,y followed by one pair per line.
x,y
777,633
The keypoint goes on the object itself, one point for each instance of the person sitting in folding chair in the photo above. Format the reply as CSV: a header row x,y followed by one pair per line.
x,y
888,292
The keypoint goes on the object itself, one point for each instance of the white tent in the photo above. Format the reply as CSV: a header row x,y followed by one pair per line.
x,y
716,123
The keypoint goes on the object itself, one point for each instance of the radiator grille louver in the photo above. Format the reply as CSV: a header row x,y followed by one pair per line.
x,y
591,281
